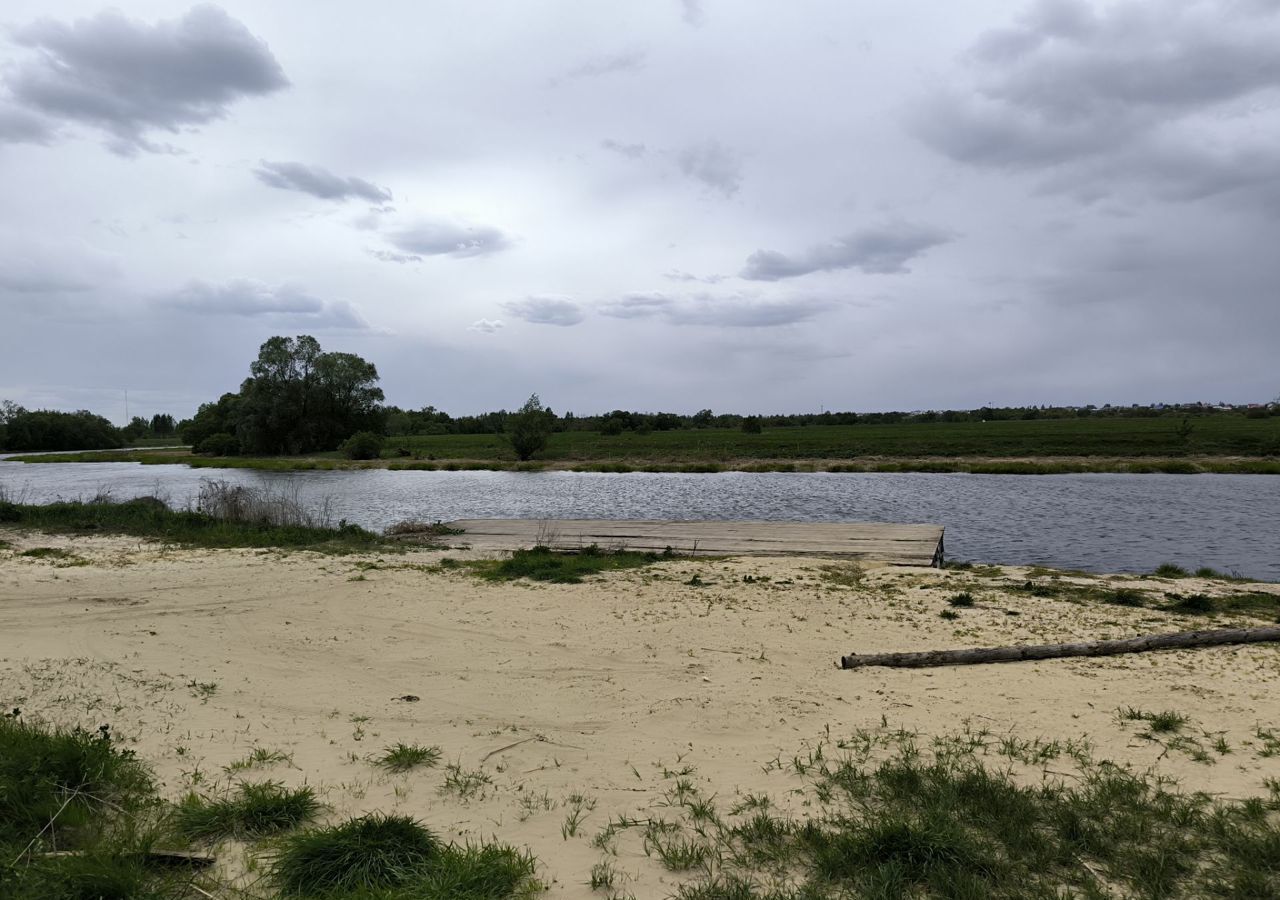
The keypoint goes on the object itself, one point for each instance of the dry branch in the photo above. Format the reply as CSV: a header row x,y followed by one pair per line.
x,y
1179,641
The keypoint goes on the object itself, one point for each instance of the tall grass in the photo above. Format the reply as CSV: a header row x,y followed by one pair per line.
x,y
224,515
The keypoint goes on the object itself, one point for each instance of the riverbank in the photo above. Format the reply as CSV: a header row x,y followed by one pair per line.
x,y
562,709
977,465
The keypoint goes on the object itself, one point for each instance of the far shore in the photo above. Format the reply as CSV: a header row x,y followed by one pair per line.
x,y
977,465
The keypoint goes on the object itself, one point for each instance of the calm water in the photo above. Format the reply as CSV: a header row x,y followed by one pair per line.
x,y
1103,523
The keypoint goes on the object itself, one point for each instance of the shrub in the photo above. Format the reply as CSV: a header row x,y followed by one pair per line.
x,y
362,445
220,444
371,852
752,425
528,428
252,811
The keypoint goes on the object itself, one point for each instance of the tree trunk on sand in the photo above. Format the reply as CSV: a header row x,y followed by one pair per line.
x,y
1179,641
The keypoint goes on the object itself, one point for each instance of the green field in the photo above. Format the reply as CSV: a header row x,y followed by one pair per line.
x,y
1227,443
1210,436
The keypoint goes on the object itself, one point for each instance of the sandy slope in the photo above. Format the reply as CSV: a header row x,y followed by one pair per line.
x,y
588,689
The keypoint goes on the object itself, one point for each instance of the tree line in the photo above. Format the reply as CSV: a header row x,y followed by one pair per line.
x,y
299,398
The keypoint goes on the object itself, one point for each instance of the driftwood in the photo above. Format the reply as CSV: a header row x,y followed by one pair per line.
x,y
1178,641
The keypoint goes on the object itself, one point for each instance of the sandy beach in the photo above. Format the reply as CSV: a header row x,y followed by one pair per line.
x,y
537,693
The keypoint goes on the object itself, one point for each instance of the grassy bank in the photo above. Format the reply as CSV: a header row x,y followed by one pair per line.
x,y
146,517
1187,465
1218,444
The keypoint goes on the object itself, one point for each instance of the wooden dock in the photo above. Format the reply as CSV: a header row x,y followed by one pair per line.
x,y
902,545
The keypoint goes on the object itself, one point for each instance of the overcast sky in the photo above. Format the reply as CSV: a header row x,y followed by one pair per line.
x,y
749,206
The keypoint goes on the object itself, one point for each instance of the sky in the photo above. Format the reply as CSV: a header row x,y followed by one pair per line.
x,y
746,206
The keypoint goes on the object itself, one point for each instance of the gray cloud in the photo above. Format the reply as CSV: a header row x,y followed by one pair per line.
x,y
626,61
884,250
129,78
692,12
428,238
47,268
630,151
730,311
244,297
486,326
637,306
318,182
18,126
546,310
1091,95
713,164
680,275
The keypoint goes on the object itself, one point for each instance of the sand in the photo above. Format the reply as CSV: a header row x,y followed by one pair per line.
x,y
198,657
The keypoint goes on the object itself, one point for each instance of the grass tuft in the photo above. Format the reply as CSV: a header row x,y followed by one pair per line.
x,y
545,564
403,757
371,852
250,811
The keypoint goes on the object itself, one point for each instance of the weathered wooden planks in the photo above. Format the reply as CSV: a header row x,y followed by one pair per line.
x,y
911,545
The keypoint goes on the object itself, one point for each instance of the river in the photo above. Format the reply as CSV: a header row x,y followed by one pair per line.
x,y
1099,523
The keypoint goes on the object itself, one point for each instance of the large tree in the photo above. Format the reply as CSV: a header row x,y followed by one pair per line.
x,y
299,399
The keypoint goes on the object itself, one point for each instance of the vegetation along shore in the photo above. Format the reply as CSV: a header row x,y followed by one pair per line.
x,y
305,408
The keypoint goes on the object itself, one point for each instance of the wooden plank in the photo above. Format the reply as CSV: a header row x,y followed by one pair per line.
x,y
893,543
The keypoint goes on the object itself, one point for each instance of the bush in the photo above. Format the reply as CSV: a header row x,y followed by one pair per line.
x,y
528,428
752,425
219,444
362,445
369,853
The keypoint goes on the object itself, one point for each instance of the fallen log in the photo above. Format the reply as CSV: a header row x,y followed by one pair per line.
x,y
1178,641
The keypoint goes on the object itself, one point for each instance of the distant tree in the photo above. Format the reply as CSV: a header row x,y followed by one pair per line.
x,y
299,399
702,418
218,444
138,427
751,425
162,425
219,417
528,427
46,429
362,445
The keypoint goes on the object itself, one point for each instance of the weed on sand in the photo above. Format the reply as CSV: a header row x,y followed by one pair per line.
x,y
402,757
545,564
888,815
249,811
392,857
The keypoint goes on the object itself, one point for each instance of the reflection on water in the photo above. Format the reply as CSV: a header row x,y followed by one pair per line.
x,y
1103,523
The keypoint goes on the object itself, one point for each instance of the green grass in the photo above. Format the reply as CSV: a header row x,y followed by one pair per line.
x,y
249,811
544,564
887,817
78,790
149,518
1048,446
403,757
380,857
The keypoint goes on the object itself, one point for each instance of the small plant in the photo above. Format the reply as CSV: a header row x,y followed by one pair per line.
x,y
1166,722
1125,597
369,853
250,811
603,875
1170,570
1192,604
47,553
949,614
964,599
258,757
464,785
403,757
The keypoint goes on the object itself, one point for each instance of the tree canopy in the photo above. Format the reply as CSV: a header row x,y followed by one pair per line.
x,y
297,399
